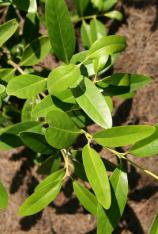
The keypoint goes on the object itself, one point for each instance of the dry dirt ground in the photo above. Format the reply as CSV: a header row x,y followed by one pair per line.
x,y
66,216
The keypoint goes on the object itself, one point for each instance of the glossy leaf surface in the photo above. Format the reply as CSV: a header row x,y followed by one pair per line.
x,y
60,29
97,176
123,135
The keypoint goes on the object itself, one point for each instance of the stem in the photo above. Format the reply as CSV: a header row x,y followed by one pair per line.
x,y
87,135
76,20
16,66
66,160
122,156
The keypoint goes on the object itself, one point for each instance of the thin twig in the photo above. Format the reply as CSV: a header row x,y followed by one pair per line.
x,y
16,66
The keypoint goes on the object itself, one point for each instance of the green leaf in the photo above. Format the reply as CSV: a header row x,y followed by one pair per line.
x,y
27,5
60,29
98,29
91,32
36,142
56,176
104,5
97,176
62,78
93,103
154,226
81,6
36,51
2,89
40,199
107,220
3,197
31,27
107,45
6,74
138,81
86,198
86,34
7,30
108,4
27,110
61,134
26,86
42,108
123,135
114,15
50,103
146,147
50,165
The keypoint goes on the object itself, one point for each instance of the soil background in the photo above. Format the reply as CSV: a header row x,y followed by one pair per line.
x,y
66,216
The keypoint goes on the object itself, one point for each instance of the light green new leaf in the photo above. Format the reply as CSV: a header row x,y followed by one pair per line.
x,y
2,89
26,86
154,226
147,147
7,30
108,4
107,45
81,6
26,5
107,220
104,5
86,198
86,34
91,32
98,3
63,77
6,74
123,135
36,51
36,142
3,197
60,29
93,103
40,199
98,29
97,176
62,132
114,15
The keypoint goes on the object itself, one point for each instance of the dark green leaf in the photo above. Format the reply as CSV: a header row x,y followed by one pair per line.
x,y
50,165
36,51
60,29
27,5
36,142
81,6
